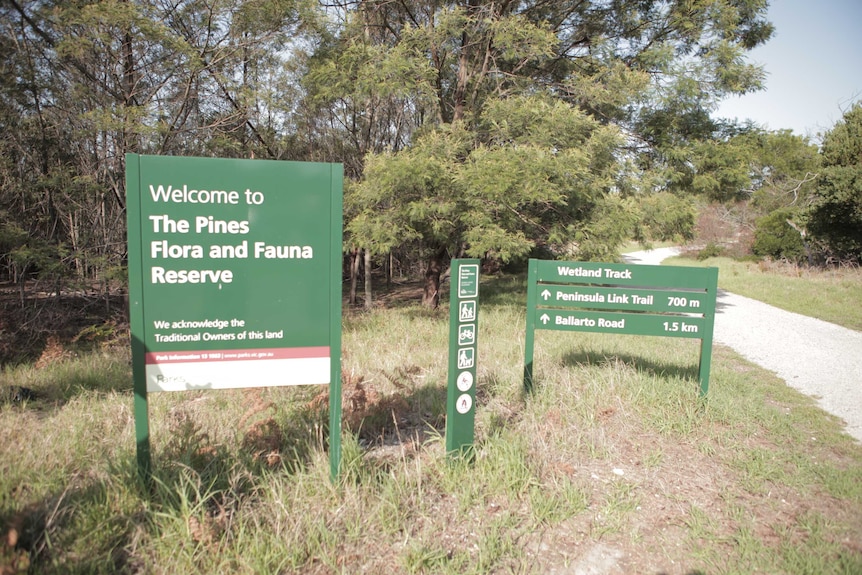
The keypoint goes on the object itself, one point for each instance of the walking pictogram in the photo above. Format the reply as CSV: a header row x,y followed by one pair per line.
x,y
467,311
466,357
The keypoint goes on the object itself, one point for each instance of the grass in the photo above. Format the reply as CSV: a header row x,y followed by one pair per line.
x,y
830,295
611,455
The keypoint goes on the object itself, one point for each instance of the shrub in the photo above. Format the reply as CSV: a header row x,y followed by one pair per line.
x,y
667,217
710,250
775,237
835,217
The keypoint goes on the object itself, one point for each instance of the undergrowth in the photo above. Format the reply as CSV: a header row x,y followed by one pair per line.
x,y
612,453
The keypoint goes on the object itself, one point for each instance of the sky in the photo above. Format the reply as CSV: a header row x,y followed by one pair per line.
x,y
813,64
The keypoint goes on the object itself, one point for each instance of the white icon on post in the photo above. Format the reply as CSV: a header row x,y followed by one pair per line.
x,y
464,381
468,281
467,334
465,357
464,403
467,311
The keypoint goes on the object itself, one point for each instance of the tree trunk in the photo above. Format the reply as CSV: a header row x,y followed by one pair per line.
x,y
354,274
431,294
367,279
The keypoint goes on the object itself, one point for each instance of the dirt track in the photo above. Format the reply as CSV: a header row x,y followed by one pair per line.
x,y
818,358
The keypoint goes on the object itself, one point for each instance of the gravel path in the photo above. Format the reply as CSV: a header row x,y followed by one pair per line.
x,y
818,358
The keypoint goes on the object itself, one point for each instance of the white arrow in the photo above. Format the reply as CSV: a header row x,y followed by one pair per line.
x,y
545,318
546,294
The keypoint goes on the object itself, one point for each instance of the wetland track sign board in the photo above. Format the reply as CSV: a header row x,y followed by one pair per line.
x,y
234,277
631,299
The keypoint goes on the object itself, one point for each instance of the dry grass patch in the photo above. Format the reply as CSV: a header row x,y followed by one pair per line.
x,y
612,465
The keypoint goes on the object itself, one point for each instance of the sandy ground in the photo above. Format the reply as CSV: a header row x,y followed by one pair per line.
x,y
818,358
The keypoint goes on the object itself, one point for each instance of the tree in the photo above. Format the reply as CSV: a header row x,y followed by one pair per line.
x,y
836,214
784,171
83,83
666,217
360,82
652,70
364,91
538,178
776,236
785,168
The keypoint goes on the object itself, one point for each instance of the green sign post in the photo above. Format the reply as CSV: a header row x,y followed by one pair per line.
x,y
234,278
463,342
621,298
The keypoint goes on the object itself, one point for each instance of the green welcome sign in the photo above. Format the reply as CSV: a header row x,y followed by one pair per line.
x,y
667,301
234,278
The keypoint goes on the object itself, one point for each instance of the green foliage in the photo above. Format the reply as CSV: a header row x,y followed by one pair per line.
x,y
12,236
39,259
411,195
748,174
727,163
722,170
785,169
710,250
535,172
587,455
609,225
83,83
666,217
836,215
776,238
842,145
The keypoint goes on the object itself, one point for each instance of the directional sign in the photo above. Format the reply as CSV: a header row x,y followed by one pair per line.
x,y
622,323
631,299
619,298
596,273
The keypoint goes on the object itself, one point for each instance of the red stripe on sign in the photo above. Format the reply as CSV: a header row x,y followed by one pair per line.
x,y
159,357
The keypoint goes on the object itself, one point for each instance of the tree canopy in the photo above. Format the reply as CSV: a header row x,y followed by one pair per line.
x,y
483,127
85,82
536,123
836,214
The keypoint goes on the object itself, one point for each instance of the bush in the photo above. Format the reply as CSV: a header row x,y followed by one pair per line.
x,y
835,217
711,250
776,238
666,217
